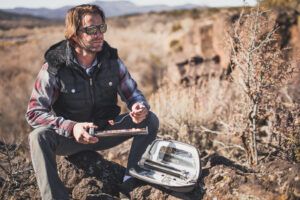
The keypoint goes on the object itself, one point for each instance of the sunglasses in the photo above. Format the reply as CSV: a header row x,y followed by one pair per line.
x,y
92,30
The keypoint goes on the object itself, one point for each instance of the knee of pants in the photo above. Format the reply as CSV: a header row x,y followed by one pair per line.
x,y
40,136
152,123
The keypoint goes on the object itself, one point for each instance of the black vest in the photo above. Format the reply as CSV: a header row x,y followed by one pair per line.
x,y
84,98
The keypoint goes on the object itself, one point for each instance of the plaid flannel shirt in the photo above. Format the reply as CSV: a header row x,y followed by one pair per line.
x,y
46,90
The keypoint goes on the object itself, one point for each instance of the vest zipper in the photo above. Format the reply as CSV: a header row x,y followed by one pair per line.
x,y
92,91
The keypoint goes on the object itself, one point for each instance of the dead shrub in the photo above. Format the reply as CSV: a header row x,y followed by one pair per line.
x,y
16,173
261,70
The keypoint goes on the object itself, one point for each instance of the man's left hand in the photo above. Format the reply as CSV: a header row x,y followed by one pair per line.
x,y
138,112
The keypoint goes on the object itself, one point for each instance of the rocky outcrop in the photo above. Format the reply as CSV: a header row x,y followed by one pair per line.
x,y
87,175
225,179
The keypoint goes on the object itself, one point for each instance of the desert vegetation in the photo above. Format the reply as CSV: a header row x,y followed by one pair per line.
x,y
280,3
240,110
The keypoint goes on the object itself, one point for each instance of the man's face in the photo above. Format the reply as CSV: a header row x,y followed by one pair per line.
x,y
89,40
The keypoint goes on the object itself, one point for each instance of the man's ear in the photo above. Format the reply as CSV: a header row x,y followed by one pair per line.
x,y
74,38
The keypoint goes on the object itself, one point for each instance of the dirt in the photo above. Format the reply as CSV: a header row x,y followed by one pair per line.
x,y
89,175
224,179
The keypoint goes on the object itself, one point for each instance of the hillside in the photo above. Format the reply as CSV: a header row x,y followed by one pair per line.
x,y
192,71
10,20
112,9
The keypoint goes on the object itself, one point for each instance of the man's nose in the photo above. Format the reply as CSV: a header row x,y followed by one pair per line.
x,y
98,34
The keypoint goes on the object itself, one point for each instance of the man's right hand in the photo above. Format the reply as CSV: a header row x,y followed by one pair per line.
x,y
81,135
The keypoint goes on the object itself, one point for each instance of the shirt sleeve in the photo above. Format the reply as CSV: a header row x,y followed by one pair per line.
x,y
39,112
128,89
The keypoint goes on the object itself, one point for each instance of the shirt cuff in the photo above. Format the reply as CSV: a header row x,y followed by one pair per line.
x,y
67,128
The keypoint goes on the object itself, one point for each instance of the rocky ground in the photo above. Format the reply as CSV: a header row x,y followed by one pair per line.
x,y
89,175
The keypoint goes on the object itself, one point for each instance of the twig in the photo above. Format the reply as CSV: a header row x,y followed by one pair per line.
x,y
3,189
3,168
226,125
210,131
10,169
229,145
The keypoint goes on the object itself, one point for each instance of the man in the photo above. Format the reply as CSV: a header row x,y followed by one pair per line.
x,y
75,90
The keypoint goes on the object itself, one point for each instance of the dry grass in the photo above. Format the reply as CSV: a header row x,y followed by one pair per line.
x,y
19,64
200,115
189,113
22,50
211,116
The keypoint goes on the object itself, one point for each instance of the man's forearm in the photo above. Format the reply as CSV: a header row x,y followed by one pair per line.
x,y
44,94
39,118
128,89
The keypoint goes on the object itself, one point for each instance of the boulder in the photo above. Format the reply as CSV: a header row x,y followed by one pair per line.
x,y
87,175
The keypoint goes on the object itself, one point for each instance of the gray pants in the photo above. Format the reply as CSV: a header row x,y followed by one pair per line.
x,y
45,144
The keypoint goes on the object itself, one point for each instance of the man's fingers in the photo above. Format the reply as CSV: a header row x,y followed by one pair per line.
x,y
88,138
142,112
139,113
82,141
80,132
137,119
89,125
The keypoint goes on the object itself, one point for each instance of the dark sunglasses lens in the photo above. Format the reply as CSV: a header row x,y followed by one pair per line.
x,y
103,28
91,30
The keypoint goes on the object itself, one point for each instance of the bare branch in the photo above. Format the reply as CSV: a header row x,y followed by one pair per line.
x,y
226,146
210,131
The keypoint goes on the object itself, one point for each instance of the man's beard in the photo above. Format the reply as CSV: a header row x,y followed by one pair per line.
x,y
90,48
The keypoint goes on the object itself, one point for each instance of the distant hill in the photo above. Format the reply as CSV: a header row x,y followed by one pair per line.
x,y
14,16
115,8
10,20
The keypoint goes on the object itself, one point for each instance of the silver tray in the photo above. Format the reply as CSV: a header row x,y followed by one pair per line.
x,y
170,164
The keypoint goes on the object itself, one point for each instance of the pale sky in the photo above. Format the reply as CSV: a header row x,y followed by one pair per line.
x,y
59,3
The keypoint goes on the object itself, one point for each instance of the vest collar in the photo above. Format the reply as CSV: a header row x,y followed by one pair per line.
x,y
62,54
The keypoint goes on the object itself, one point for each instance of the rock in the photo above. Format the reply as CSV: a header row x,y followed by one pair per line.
x,y
88,173
226,179
89,176
148,192
85,187
294,189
